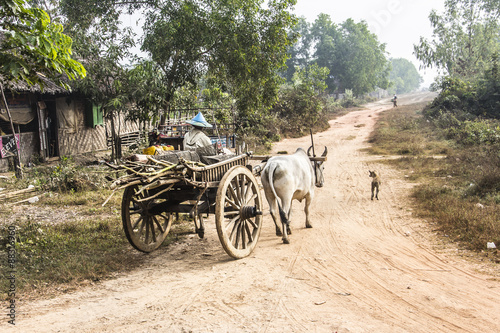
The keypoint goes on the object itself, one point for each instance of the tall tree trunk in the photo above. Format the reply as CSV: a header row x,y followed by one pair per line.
x,y
17,153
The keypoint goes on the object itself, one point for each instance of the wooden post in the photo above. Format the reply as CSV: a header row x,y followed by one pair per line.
x,y
17,159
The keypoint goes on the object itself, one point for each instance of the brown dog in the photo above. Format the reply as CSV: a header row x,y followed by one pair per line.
x,y
376,182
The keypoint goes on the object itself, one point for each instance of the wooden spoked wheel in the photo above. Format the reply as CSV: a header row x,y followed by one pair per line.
x,y
144,224
238,212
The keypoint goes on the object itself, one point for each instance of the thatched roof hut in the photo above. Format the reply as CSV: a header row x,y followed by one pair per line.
x,y
49,87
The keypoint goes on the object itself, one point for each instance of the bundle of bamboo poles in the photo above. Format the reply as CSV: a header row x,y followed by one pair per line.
x,y
151,175
18,196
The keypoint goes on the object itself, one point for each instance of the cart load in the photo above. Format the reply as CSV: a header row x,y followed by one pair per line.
x,y
159,188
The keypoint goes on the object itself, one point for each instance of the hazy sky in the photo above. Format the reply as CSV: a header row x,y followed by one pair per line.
x,y
398,23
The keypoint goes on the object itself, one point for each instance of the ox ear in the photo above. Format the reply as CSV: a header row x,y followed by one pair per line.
x,y
325,152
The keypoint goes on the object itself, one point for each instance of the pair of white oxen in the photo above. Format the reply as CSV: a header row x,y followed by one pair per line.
x,y
286,178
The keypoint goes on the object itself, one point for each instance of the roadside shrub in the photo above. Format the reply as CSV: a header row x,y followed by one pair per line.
x,y
66,176
348,100
456,94
478,132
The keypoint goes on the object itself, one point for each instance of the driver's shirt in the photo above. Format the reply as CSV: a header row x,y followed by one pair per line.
x,y
195,138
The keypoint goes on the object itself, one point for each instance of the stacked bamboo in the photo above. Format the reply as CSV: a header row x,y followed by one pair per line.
x,y
151,175
14,197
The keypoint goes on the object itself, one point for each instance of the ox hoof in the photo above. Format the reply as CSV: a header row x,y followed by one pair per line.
x,y
309,226
286,241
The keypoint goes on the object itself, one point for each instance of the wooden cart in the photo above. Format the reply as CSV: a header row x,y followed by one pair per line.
x,y
153,199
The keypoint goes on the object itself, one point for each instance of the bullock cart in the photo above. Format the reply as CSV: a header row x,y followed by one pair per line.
x,y
156,192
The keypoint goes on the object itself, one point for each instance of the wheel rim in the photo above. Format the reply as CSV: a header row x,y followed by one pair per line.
x,y
238,208
145,228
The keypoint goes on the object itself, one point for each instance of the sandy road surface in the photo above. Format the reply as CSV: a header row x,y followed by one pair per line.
x,y
366,266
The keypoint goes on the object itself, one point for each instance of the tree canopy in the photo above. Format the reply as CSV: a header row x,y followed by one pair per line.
x,y
240,44
356,60
464,38
30,43
404,76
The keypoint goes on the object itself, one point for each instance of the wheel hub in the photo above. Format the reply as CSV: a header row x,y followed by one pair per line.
x,y
247,212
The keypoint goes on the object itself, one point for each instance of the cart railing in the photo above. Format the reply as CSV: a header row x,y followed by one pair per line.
x,y
213,173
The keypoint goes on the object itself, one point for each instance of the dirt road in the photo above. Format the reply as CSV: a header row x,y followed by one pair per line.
x,y
366,266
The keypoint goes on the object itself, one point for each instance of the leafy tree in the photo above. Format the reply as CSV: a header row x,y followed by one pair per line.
x,y
300,51
465,37
147,90
301,104
238,43
31,44
404,76
326,36
354,56
360,64
103,49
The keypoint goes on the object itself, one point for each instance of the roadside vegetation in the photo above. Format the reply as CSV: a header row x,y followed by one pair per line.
x,y
458,183
69,239
451,146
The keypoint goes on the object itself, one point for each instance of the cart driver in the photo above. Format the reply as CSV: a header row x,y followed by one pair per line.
x,y
195,138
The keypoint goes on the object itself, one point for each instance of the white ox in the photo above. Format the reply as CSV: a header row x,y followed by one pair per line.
x,y
286,178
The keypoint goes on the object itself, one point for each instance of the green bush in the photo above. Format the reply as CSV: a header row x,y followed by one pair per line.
x,y
478,132
66,176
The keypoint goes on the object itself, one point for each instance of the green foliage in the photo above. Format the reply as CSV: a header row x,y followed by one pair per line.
x,y
348,100
360,63
66,176
461,100
356,59
404,76
33,44
239,44
147,89
455,94
300,51
465,37
478,132
301,105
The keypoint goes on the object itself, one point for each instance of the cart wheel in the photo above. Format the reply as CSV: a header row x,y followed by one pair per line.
x,y
144,227
238,212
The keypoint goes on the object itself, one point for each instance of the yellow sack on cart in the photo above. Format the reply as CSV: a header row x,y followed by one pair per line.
x,y
156,150
150,151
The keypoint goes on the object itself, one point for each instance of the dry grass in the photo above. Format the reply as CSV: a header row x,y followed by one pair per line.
x,y
459,186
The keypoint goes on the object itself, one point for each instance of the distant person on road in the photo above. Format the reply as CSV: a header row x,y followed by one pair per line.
x,y
395,100
195,138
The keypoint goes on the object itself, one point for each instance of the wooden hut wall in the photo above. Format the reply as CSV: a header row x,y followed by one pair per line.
x,y
75,137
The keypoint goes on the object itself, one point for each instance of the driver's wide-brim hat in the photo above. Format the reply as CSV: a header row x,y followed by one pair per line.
x,y
199,121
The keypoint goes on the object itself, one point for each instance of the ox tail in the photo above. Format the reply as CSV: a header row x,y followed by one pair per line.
x,y
283,217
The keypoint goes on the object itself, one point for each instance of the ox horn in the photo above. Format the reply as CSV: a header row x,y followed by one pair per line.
x,y
325,152
309,151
